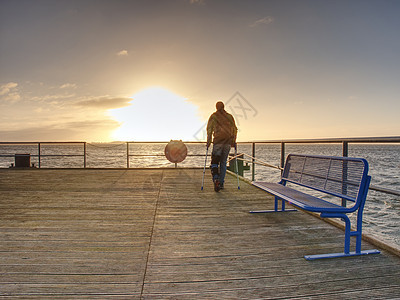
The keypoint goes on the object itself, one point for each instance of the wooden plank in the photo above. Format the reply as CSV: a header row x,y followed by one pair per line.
x,y
210,247
75,233
153,234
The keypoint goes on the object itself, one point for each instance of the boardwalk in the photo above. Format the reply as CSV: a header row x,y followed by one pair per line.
x,y
152,234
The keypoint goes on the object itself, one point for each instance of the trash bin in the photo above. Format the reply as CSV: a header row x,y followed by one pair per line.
x,y
241,167
22,160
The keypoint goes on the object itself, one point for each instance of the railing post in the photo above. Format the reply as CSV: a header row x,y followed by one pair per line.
x,y
84,155
345,153
282,154
39,155
345,149
127,155
253,154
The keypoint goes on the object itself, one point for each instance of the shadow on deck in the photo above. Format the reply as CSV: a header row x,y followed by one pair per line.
x,y
153,234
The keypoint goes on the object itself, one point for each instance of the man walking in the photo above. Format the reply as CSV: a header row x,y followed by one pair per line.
x,y
221,130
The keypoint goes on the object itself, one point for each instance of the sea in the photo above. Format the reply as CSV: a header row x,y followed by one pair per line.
x,y
381,214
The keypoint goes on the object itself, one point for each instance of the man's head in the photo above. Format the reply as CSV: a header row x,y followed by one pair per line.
x,y
220,105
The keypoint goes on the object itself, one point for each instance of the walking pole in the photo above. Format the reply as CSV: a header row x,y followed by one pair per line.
x,y
237,169
204,170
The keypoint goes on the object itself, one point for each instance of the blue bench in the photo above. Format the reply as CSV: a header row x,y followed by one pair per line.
x,y
324,185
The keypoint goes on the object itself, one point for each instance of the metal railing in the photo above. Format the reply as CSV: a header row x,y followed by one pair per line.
x,y
40,155
344,142
345,151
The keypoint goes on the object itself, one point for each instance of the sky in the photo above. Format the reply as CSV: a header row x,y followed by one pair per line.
x,y
136,70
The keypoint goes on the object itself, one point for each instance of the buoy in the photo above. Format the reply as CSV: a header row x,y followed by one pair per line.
x,y
175,151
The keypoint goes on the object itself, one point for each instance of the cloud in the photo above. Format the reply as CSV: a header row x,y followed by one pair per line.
x,y
105,103
6,88
86,130
264,21
30,92
122,53
352,97
68,86
199,2
9,92
40,110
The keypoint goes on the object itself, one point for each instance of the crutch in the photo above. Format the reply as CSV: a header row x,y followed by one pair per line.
x,y
237,169
204,170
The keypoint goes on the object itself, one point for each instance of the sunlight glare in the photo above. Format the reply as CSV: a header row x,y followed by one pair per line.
x,y
156,114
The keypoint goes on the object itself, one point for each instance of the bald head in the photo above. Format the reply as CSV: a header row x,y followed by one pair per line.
x,y
220,105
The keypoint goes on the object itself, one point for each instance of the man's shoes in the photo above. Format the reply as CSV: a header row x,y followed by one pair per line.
x,y
221,186
217,186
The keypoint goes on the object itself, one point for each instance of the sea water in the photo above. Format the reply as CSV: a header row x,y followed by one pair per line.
x,y
381,213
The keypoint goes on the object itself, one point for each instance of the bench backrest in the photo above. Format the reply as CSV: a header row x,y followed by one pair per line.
x,y
343,177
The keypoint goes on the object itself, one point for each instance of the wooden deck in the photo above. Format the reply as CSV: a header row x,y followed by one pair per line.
x,y
153,234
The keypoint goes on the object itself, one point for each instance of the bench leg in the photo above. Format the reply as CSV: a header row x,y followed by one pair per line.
x,y
359,229
276,209
347,234
336,255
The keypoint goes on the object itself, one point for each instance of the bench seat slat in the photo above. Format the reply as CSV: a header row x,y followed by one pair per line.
x,y
300,199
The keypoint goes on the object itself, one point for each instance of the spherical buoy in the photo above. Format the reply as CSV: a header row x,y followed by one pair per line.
x,y
175,151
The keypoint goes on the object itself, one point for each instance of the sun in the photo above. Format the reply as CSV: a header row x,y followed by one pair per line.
x,y
156,114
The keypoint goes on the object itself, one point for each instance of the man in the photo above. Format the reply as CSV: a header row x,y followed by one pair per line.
x,y
221,126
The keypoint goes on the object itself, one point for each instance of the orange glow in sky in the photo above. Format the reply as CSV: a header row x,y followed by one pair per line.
x,y
156,114
81,70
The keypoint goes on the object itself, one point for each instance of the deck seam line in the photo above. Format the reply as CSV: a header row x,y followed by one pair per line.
x,y
151,236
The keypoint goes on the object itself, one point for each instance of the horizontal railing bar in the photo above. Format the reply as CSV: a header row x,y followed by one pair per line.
x,y
256,161
164,142
189,155
47,155
35,143
59,155
81,155
392,139
384,190
146,155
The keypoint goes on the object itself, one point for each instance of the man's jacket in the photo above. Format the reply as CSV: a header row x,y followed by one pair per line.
x,y
221,126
